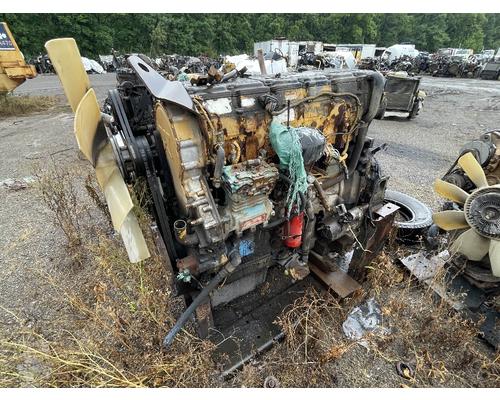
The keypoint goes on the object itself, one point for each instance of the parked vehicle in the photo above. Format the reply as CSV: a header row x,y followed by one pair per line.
x,y
402,94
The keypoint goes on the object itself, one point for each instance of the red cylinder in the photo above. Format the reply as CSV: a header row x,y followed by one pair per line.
x,y
293,231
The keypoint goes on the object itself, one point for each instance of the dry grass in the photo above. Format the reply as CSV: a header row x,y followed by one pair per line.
x,y
118,314
442,347
12,106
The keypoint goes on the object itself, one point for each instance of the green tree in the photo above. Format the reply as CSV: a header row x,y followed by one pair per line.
x,y
215,34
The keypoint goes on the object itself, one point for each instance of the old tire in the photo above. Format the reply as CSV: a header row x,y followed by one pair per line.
x,y
382,108
413,217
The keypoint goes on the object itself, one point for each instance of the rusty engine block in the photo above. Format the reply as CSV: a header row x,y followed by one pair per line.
x,y
217,184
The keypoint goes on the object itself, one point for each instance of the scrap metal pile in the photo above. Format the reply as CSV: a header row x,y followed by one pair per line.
x,y
42,64
310,60
449,66
436,64
442,63
176,67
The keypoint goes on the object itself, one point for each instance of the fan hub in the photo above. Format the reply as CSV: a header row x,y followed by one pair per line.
x,y
482,212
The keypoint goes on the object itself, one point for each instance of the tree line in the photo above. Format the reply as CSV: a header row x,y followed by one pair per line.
x,y
215,34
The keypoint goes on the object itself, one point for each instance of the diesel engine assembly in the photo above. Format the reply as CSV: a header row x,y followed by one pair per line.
x,y
243,175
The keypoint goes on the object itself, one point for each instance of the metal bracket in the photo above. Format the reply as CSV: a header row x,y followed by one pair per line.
x,y
159,87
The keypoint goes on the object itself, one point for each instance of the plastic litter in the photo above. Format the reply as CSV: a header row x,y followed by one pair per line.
x,y
92,66
184,276
312,142
362,319
17,184
286,143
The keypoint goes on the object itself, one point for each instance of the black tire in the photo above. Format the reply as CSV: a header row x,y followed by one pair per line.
x,y
382,108
413,216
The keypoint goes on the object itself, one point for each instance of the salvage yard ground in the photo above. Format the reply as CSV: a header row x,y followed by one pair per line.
x,y
83,317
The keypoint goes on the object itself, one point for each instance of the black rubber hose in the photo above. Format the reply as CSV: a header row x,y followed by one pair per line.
x,y
226,270
377,81
358,148
275,223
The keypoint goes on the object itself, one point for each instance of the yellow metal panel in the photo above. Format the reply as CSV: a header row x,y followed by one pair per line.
x,y
171,145
7,84
13,68
14,55
23,71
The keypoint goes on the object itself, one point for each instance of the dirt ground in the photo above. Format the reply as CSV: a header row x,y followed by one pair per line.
x,y
32,248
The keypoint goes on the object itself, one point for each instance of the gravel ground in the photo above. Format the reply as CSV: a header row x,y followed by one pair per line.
x,y
420,150
49,85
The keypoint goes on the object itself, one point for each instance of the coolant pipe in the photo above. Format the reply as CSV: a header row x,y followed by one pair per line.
x,y
180,230
378,84
358,148
274,223
226,270
220,159
321,195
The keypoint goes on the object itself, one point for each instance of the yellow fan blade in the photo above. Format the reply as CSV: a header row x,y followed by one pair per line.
x,y
450,191
105,165
133,239
118,198
450,220
87,119
114,187
120,205
473,170
495,257
471,245
67,62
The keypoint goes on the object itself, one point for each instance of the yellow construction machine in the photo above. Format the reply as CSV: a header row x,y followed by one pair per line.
x,y
13,68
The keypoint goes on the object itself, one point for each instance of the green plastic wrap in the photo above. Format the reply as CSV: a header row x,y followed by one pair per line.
x,y
286,144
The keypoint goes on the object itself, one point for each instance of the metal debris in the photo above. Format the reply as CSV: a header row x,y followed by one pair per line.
x,y
455,288
405,370
424,268
271,382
